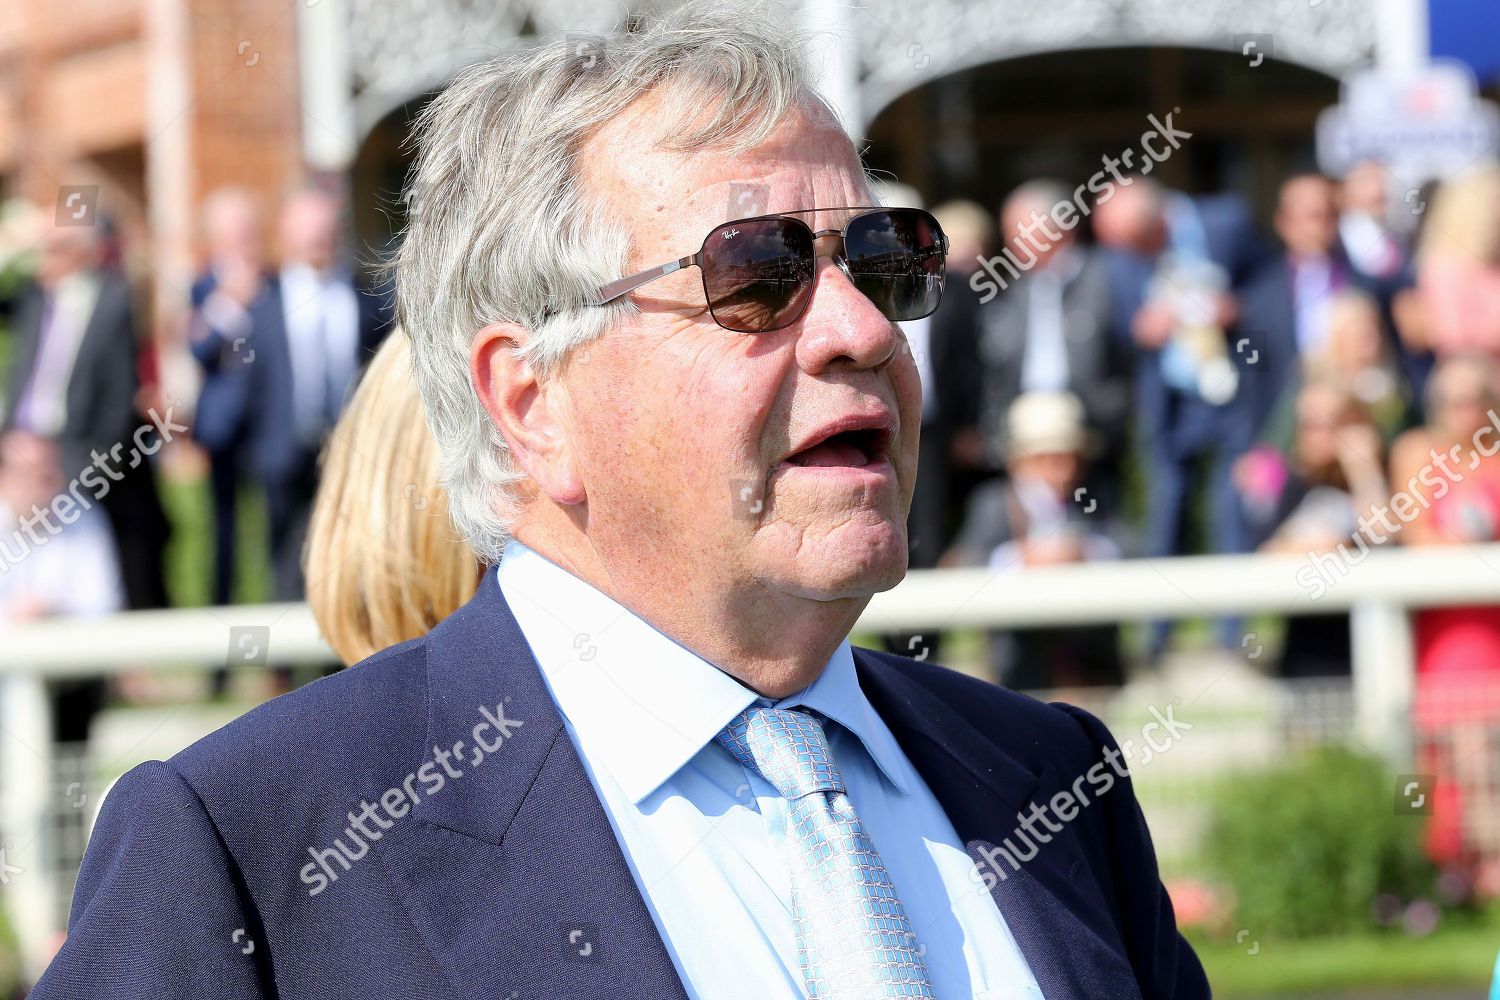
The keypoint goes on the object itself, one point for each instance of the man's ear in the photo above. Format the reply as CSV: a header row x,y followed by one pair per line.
x,y
526,411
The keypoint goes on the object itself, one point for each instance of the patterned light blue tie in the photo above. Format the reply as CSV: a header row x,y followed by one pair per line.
x,y
853,938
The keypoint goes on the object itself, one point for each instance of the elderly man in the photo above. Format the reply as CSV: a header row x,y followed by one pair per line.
x,y
644,761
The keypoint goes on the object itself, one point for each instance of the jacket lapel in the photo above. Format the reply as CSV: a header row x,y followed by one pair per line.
x,y
1057,915
512,874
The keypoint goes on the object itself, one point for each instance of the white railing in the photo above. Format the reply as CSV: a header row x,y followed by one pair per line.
x,y
1378,593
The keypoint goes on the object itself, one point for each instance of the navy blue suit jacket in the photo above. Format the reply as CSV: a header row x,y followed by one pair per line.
x,y
192,883
224,401
247,387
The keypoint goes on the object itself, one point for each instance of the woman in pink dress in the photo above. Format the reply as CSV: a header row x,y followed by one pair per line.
x,y
1456,716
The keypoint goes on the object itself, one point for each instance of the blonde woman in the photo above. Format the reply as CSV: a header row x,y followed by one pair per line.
x,y
1356,357
1458,266
383,562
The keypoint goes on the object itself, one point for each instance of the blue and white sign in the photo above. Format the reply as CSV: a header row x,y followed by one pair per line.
x,y
1428,123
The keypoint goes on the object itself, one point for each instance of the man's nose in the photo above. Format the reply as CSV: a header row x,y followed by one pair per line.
x,y
841,325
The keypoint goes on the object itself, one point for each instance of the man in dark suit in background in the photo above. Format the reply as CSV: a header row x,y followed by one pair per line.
x,y
73,374
218,336
1050,331
1283,312
1284,306
1170,266
73,380
301,339
72,383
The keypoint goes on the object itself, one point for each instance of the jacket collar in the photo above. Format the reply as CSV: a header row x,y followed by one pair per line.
x,y
596,655
478,660
512,874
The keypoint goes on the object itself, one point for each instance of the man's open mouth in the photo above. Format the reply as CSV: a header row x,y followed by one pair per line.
x,y
858,447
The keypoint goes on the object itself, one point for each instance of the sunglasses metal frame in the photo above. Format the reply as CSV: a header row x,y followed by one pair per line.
x,y
606,294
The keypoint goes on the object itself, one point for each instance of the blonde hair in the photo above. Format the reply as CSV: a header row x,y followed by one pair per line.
x,y
384,562
1464,220
967,218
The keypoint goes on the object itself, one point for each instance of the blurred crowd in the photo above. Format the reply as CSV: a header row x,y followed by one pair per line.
x,y
276,344
1168,379
1162,379
279,350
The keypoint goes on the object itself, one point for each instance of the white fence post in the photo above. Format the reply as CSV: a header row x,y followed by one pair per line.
x,y
1384,683
27,880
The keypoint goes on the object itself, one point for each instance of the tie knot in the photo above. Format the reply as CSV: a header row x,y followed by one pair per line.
x,y
789,749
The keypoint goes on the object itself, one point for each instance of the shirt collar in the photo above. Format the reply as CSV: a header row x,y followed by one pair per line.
x,y
641,704
306,274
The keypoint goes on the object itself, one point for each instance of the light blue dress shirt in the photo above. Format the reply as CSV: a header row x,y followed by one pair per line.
x,y
704,837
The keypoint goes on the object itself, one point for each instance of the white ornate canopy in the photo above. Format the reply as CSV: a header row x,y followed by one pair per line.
x,y
400,48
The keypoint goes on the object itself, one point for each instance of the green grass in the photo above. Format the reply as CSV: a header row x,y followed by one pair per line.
x,y
1456,955
10,957
190,554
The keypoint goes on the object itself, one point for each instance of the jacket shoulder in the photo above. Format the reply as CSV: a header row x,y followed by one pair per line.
x,y
357,723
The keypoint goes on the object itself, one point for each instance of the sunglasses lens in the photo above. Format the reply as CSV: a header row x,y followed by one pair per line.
x,y
757,274
896,258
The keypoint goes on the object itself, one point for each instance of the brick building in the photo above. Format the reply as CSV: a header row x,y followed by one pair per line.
x,y
155,101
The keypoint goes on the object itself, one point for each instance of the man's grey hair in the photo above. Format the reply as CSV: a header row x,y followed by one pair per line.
x,y
503,229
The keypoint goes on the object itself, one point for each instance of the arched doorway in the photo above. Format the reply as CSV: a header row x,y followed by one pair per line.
x,y
377,178
980,132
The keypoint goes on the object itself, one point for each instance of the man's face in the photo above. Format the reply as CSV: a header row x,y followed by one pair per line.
x,y
682,430
309,228
1131,220
234,232
1307,216
1025,224
64,251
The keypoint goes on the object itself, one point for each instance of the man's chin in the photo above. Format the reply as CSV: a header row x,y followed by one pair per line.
x,y
856,563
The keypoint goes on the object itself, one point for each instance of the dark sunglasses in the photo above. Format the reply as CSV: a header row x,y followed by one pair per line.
x,y
758,273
